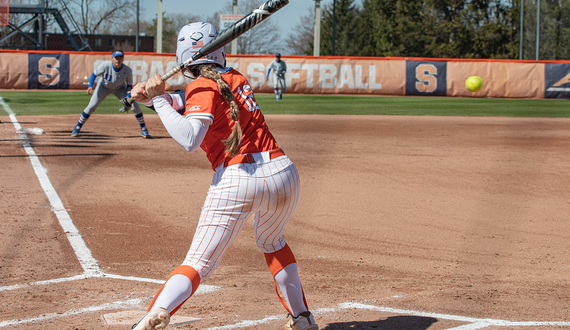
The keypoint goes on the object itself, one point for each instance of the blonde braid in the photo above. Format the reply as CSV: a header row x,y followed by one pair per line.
x,y
233,142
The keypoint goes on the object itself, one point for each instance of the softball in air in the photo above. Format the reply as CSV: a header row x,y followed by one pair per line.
x,y
474,83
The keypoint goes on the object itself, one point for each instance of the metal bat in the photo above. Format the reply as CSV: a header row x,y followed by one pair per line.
x,y
226,36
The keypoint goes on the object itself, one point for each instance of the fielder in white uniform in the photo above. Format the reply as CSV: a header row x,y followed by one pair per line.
x,y
116,79
279,68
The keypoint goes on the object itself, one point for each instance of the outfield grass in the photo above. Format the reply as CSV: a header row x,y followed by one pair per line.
x,y
58,102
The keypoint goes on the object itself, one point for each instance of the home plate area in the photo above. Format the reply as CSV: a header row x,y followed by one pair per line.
x,y
128,318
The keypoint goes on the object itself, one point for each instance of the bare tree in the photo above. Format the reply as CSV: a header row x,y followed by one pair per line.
x,y
263,39
98,16
171,25
300,40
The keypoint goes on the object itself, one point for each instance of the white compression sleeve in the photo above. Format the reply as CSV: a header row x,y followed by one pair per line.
x,y
177,101
188,133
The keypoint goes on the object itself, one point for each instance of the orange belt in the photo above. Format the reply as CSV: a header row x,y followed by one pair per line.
x,y
248,158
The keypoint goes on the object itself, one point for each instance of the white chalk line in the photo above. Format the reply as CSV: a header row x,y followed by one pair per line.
x,y
91,267
87,261
107,306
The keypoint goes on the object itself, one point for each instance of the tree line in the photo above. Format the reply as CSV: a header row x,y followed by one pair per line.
x,y
403,28
441,29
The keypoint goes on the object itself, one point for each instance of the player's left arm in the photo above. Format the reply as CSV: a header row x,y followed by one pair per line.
x,y
188,133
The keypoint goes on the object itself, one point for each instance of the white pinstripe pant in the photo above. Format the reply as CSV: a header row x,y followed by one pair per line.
x,y
268,189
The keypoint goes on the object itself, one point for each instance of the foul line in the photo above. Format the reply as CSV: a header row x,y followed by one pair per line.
x,y
88,263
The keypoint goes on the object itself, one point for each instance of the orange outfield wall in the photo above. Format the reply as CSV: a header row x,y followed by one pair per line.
x,y
308,74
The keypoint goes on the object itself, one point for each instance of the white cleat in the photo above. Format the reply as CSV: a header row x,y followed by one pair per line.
x,y
156,319
301,323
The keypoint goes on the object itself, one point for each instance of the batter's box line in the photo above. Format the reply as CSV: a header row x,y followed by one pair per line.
x,y
107,306
203,288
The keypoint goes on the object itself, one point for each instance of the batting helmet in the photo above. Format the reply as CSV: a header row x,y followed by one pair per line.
x,y
192,37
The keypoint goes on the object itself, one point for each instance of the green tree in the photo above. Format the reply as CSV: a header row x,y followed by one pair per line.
x,y
346,16
438,28
392,28
554,30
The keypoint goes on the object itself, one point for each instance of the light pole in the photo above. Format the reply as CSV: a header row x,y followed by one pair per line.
x,y
234,11
522,31
537,28
334,26
159,28
317,31
137,30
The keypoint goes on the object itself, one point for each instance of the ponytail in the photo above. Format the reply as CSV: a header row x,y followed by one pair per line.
x,y
233,142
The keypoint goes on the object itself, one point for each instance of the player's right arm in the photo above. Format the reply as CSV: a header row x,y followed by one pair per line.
x,y
91,82
269,70
98,71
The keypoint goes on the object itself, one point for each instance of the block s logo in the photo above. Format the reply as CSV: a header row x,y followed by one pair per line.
x,y
48,71
426,78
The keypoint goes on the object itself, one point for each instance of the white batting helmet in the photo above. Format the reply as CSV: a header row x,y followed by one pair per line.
x,y
192,37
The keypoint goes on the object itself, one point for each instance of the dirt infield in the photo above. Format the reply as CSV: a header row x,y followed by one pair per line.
x,y
403,223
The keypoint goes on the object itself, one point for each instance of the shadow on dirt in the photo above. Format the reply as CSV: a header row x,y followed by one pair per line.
x,y
391,323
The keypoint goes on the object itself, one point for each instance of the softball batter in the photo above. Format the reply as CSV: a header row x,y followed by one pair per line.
x,y
279,68
117,79
253,177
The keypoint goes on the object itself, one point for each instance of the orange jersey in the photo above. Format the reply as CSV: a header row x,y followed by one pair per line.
x,y
204,101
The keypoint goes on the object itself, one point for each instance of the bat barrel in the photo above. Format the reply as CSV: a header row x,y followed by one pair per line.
x,y
240,27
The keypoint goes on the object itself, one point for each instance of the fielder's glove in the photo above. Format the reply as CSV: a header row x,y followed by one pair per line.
x,y
126,105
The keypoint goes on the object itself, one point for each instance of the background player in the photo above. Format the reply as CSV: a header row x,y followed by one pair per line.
x,y
253,176
279,68
116,79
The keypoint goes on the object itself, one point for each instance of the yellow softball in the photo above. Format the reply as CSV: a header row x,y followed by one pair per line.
x,y
474,83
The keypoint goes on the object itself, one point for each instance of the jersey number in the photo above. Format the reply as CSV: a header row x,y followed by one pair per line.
x,y
247,95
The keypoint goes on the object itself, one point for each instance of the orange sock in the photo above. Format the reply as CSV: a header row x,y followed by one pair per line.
x,y
276,262
187,271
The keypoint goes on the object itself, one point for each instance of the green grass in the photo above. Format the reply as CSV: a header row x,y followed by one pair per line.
x,y
58,102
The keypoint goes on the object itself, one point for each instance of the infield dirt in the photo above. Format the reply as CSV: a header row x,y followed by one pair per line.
x,y
463,216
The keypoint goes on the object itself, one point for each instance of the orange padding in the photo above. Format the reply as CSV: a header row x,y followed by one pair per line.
x,y
279,259
187,271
